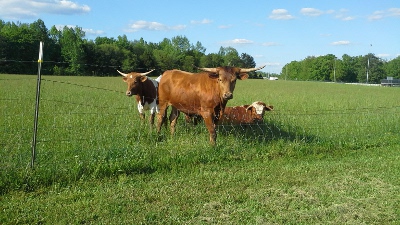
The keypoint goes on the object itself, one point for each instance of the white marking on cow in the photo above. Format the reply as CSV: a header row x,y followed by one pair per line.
x,y
158,78
152,106
131,76
259,107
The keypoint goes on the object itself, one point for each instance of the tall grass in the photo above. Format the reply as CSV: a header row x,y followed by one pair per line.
x,y
328,153
89,129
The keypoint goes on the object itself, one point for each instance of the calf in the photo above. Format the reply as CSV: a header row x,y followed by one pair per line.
x,y
145,90
245,114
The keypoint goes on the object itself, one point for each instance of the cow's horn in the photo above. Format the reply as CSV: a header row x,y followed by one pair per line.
x,y
123,74
251,69
144,74
214,70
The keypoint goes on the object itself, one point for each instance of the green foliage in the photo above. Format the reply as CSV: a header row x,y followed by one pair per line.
x,y
67,51
392,68
347,69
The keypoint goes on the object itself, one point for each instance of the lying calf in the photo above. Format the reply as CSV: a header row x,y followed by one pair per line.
x,y
245,114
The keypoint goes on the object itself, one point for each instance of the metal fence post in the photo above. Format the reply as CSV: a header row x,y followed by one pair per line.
x,y
35,125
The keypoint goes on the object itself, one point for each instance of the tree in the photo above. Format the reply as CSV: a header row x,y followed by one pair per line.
x,y
371,65
247,61
167,56
376,69
347,71
392,68
211,60
71,49
230,56
180,43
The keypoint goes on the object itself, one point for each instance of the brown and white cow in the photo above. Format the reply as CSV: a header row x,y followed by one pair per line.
x,y
245,114
205,93
238,115
145,90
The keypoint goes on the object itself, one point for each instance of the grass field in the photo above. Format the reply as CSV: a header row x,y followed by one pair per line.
x,y
328,154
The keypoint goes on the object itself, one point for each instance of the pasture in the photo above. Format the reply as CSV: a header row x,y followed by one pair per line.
x,y
327,154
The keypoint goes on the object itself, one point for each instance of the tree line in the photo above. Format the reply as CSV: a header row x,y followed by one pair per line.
x,y
358,69
68,52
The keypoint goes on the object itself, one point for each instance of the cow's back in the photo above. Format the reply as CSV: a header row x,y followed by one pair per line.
x,y
234,115
188,92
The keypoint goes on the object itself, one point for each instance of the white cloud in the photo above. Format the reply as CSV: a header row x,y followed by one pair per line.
x,y
311,12
343,15
394,12
341,43
238,41
204,21
89,31
378,15
152,26
280,14
24,9
348,18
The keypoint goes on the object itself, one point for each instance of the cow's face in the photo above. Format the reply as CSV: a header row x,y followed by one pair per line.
x,y
226,78
135,83
257,110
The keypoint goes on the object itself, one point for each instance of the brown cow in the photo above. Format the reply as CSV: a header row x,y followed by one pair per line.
x,y
245,114
205,93
145,90
238,115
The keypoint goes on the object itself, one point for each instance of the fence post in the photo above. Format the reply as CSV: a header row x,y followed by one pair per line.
x,y
35,123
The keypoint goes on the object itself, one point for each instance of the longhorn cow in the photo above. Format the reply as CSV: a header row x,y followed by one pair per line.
x,y
205,94
145,90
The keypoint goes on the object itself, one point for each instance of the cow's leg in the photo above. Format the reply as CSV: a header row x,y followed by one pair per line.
x,y
208,118
161,116
197,119
173,119
151,119
188,118
141,111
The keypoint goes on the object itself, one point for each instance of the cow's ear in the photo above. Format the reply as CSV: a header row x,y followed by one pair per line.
x,y
248,107
125,79
268,108
143,78
242,76
213,75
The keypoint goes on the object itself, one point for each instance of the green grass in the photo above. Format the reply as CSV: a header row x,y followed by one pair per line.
x,y
327,154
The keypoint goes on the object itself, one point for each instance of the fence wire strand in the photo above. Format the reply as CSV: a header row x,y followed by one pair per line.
x,y
276,124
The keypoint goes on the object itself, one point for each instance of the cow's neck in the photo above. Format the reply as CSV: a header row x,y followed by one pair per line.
x,y
148,93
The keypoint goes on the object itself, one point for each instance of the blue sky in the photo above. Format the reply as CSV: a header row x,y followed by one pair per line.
x,y
273,32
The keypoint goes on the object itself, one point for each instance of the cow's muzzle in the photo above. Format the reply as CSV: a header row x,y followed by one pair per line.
x,y
128,93
228,96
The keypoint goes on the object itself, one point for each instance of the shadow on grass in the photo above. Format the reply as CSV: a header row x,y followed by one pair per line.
x,y
266,132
